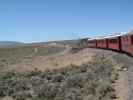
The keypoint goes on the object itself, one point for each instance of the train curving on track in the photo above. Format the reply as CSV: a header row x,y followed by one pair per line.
x,y
120,43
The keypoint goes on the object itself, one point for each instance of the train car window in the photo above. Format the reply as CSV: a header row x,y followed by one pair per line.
x,y
123,38
126,38
131,39
101,41
91,41
113,41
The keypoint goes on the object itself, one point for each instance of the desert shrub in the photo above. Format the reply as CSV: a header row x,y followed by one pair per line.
x,y
90,81
22,95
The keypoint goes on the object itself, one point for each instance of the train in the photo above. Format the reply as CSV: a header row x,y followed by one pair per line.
x,y
120,43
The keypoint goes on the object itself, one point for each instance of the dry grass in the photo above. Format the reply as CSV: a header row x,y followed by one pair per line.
x,y
24,54
53,61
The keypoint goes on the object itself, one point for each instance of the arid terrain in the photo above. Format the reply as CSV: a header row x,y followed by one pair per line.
x,y
58,72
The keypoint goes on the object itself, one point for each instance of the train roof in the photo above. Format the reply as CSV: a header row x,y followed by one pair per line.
x,y
115,35
112,35
91,39
129,33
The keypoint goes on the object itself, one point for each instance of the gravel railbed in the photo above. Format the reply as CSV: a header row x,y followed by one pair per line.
x,y
127,66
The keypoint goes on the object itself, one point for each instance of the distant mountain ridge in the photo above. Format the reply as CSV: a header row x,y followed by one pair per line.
x,y
10,44
6,44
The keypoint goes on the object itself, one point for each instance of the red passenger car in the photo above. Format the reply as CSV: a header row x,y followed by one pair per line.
x,y
102,43
120,42
127,43
92,43
114,43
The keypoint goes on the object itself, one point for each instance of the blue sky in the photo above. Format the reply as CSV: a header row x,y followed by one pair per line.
x,y
46,20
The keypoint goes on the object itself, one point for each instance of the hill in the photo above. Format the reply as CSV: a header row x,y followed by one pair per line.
x,y
9,44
